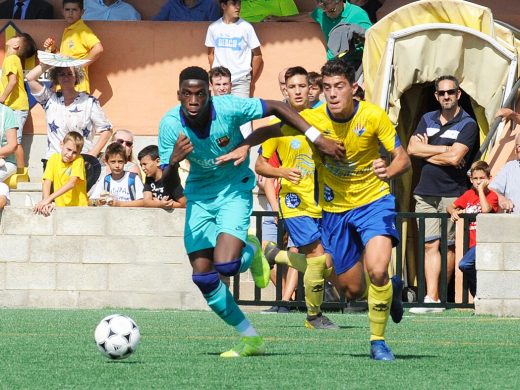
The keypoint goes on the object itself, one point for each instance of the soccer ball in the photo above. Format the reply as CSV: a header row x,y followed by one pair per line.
x,y
117,336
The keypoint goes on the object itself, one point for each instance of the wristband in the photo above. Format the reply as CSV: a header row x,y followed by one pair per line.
x,y
312,133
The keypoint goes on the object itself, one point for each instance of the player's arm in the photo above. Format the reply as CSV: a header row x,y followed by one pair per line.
x,y
257,64
262,167
11,83
3,201
94,53
453,156
399,165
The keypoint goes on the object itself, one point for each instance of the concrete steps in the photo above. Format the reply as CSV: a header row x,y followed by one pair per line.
x,y
26,194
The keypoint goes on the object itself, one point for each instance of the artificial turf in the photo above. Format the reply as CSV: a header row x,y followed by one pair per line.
x,y
54,349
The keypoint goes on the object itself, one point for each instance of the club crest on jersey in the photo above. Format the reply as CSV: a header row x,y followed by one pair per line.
x,y
328,194
296,144
292,200
358,130
223,141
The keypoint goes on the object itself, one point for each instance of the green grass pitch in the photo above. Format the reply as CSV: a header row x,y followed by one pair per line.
x,y
54,349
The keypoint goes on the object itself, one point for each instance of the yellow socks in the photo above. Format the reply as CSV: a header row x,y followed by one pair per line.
x,y
297,261
314,284
379,301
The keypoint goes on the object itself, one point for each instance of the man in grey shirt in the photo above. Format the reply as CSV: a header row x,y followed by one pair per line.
x,y
507,182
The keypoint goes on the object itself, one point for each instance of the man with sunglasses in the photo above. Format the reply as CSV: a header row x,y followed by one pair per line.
x,y
446,141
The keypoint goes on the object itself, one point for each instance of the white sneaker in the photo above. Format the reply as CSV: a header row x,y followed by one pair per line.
x,y
422,310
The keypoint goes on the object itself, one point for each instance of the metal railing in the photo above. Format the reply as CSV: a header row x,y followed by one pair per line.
x,y
415,218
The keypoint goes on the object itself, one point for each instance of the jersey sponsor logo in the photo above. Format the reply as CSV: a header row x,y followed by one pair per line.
x,y
343,168
305,164
223,141
328,194
292,200
296,144
451,134
210,163
229,43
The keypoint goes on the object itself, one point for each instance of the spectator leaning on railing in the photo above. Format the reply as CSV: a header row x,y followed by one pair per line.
x,y
109,10
25,9
445,141
188,11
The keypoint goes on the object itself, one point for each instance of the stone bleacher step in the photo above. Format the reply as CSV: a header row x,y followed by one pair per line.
x,y
24,198
29,186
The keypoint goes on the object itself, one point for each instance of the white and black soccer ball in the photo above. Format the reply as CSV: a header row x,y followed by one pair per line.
x,y
117,336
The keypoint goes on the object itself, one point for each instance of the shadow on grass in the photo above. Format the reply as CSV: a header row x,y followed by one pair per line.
x,y
397,357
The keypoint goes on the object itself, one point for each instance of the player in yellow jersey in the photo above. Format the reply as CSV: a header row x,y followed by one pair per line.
x,y
298,209
358,223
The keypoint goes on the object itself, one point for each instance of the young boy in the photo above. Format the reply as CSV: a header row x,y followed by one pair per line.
x,y
78,40
119,188
478,199
232,42
65,172
156,193
13,94
315,89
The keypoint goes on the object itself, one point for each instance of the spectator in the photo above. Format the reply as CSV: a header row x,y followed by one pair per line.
x,y
4,195
119,188
220,84
301,214
69,110
109,10
507,182
445,141
328,14
281,83
8,128
478,199
188,11
157,193
315,89
370,7
255,11
13,89
64,179
78,40
126,138
26,9
232,42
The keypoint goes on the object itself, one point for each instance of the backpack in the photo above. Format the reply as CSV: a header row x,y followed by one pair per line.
x,y
131,184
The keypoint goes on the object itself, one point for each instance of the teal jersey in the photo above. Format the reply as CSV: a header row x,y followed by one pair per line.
x,y
351,14
207,180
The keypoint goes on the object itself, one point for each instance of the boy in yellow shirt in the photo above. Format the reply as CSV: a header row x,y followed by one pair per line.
x,y
65,171
78,40
12,86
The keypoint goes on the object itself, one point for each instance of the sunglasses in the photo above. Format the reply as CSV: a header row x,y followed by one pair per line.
x,y
127,143
450,92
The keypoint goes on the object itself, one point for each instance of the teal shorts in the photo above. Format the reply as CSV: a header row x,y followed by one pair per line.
x,y
206,219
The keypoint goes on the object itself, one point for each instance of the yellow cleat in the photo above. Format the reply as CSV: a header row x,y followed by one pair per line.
x,y
259,267
248,346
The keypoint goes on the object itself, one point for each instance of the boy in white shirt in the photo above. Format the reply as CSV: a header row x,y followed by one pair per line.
x,y
232,42
119,188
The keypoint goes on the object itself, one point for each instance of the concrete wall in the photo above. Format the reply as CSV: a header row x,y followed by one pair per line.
x,y
498,265
96,258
